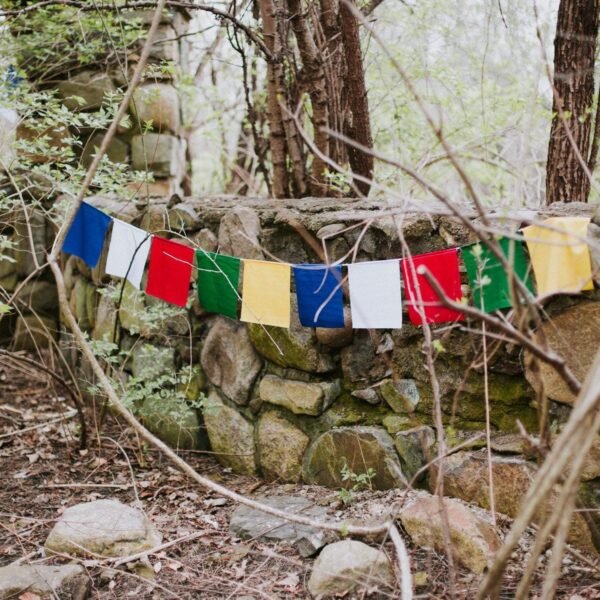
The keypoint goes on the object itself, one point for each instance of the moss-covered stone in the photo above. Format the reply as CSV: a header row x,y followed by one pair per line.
x,y
414,447
356,449
402,395
280,447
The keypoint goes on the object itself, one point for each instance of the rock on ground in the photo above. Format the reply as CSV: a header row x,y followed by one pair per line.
x,y
349,566
474,539
248,523
65,581
357,448
106,527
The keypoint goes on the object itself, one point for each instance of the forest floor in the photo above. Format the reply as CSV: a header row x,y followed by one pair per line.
x,y
42,472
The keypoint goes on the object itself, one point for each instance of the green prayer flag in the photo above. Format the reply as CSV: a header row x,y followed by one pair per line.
x,y
487,278
218,278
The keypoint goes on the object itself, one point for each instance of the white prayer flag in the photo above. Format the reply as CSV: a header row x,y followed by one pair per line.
x,y
375,295
128,246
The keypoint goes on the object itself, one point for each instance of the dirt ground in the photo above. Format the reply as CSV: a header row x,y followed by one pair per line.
x,y
42,471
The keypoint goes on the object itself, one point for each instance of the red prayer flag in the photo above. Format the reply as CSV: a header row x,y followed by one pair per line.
x,y
443,267
170,271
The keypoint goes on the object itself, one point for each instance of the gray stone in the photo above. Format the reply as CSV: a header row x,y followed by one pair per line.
x,y
402,395
174,422
575,335
395,423
92,86
414,448
117,151
297,396
350,566
474,539
106,527
159,153
106,315
296,347
249,523
239,233
281,447
63,581
231,436
183,217
358,449
206,240
131,310
149,362
359,361
370,395
83,301
229,359
157,103
165,46
32,333
329,231
41,297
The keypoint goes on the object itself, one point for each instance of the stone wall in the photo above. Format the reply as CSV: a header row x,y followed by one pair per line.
x,y
305,405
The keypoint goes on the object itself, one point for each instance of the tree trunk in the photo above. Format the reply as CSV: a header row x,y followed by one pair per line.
x,y
567,177
358,127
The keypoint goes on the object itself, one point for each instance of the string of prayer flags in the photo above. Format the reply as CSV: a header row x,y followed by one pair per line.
x,y
559,255
85,237
488,280
170,271
319,294
422,300
127,252
266,293
218,279
375,294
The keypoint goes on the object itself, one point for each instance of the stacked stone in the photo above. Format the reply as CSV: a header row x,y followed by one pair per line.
x,y
151,140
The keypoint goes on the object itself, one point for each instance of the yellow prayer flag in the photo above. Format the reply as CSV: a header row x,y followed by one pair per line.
x,y
266,293
559,255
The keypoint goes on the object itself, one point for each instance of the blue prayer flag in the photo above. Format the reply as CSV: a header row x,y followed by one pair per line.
x,y
319,293
85,237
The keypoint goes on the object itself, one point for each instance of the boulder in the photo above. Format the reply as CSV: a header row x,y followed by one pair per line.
x,y
350,566
466,477
150,362
45,581
117,151
281,447
296,347
229,359
414,448
91,86
83,301
249,523
337,337
106,315
106,527
174,422
239,233
299,397
474,539
158,103
357,449
231,436
32,333
402,395
159,153
41,296
166,45
573,334
368,395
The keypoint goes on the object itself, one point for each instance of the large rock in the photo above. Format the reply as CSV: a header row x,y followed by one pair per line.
x,y
229,359
64,581
150,362
90,86
296,347
174,422
83,302
105,527
117,151
249,523
33,333
402,395
350,566
106,315
159,153
466,477
575,335
414,447
299,397
231,436
41,296
358,449
474,539
239,233
281,447
158,103
360,363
